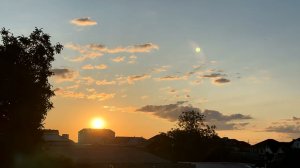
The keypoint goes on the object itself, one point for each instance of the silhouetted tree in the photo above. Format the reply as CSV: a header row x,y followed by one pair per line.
x,y
192,140
193,121
192,136
25,65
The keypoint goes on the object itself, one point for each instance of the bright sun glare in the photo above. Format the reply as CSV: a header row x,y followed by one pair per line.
x,y
198,49
98,123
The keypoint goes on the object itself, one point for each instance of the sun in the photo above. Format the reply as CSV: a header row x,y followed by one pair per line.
x,y
198,49
98,123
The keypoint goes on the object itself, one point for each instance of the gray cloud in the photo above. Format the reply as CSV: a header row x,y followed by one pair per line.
x,y
221,80
284,128
296,118
172,111
64,74
225,122
216,77
61,72
171,78
215,115
133,78
213,75
289,126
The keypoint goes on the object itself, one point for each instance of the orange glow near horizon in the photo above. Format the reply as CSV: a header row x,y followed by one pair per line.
x,y
98,123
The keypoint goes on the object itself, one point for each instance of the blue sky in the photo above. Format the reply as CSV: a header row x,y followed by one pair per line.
x,y
253,46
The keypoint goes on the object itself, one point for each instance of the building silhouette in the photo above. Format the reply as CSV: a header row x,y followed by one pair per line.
x,y
95,136
52,137
106,137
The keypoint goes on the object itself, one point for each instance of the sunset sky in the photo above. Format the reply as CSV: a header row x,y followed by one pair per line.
x,y
137,64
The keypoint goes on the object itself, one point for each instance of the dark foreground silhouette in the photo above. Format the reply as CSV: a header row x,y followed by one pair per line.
x,y
25,65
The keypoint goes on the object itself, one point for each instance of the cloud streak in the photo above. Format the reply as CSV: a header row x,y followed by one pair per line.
x,y
171,78
138,48
105,82
92,95
118,59
213,75
161,69
91,67
69,94
288,126
84,21
284,128
133,78
92,51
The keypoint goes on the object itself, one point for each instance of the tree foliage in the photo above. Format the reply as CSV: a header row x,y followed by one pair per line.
x,y
25,92
193,141
194,121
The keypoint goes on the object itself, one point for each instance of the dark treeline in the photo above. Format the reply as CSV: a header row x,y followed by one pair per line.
x,y
195,141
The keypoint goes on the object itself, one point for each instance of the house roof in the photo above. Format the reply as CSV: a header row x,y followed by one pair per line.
x,y
272,144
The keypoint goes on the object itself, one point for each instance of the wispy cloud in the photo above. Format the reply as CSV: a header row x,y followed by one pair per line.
x,y
92,95
87,67
284,128
132,59
118,59
133,78
84,21
171,78
68,93
105,82
161,69
92,51
216,78
213,75
90,67
101,66
290,127
138,48
87,80
100,96
84,51
172,111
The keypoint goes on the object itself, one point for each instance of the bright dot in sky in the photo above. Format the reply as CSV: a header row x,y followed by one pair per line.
x,y
198,49
98,123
